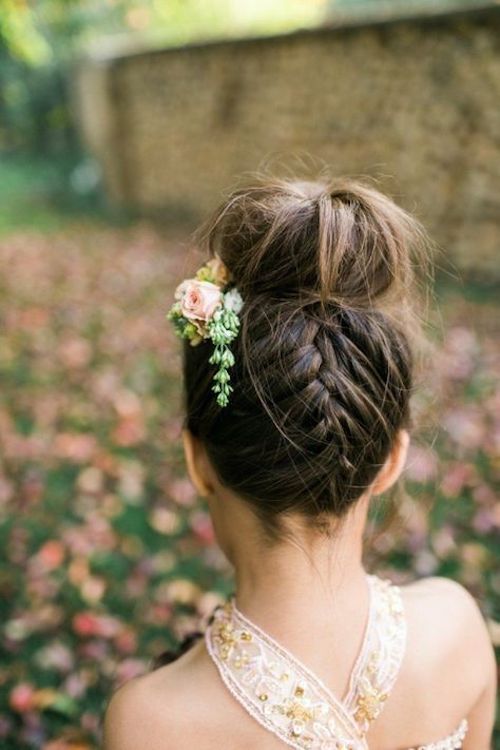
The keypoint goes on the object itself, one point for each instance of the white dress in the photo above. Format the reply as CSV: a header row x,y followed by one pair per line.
x,y
285,697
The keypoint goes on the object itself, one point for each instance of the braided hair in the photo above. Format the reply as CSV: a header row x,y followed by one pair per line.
x,y
323,373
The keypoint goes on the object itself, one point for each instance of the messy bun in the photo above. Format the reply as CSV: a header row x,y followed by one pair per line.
x,y
323,372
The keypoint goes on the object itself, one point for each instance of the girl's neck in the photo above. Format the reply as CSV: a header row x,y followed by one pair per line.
x,y
282,587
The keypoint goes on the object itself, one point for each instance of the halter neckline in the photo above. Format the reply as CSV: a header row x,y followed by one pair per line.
x,y
284,695
360,655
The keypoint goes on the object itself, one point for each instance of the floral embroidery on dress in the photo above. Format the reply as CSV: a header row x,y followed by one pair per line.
x,y
284,696
380,657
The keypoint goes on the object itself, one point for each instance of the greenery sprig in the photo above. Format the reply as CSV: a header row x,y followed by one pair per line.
x,y
223,328
204,311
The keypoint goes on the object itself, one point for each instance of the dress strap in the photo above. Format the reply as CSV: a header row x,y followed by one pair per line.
x,y
381,655
283,695
275,688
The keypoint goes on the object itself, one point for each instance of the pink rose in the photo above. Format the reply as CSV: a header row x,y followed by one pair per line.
x,y
198,299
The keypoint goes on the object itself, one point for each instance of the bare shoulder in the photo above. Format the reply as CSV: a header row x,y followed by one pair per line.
x,y
148,712
457,635
163,708
132,719
445,596
448,620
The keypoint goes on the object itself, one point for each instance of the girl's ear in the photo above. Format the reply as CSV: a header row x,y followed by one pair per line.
x,y
192,453
391,470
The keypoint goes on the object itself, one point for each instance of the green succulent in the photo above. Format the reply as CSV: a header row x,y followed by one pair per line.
x,y
221,329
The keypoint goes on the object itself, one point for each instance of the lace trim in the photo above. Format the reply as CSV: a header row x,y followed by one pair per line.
x,y
285,697
379,661
452,742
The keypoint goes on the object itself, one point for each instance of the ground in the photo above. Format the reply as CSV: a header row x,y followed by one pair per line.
x,y
107,554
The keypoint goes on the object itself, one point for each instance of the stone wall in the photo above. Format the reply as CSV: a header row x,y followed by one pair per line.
x,y
414,102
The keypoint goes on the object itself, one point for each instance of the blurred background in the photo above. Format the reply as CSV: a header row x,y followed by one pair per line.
x,y
122,122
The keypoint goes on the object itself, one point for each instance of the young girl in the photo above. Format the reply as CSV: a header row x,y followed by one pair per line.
x,y
298,335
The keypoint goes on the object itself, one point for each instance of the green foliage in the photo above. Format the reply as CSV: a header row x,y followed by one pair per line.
x,y
46,194
223,328
39,40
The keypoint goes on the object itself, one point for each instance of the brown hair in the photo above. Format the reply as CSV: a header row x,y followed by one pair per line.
x,y
323,372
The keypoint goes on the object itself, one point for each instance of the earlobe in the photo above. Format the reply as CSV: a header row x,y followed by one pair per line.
x,y
394,465
194,474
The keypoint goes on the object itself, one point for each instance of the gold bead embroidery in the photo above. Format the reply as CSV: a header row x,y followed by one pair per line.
x,y
282,705
297,728
297,711
224,633
369,705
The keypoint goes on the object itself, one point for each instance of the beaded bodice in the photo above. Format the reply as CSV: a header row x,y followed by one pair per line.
x,y
285,697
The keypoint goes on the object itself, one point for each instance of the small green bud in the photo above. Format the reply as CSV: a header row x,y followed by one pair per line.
x,y
215,357
227,358
222,399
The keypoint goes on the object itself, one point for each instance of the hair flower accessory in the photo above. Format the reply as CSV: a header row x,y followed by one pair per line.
x,y
203,310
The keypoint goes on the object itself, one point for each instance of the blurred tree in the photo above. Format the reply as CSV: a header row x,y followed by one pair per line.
x,y
38,38
33,110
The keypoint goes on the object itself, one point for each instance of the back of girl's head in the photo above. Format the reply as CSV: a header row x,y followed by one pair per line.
x,y
323,371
